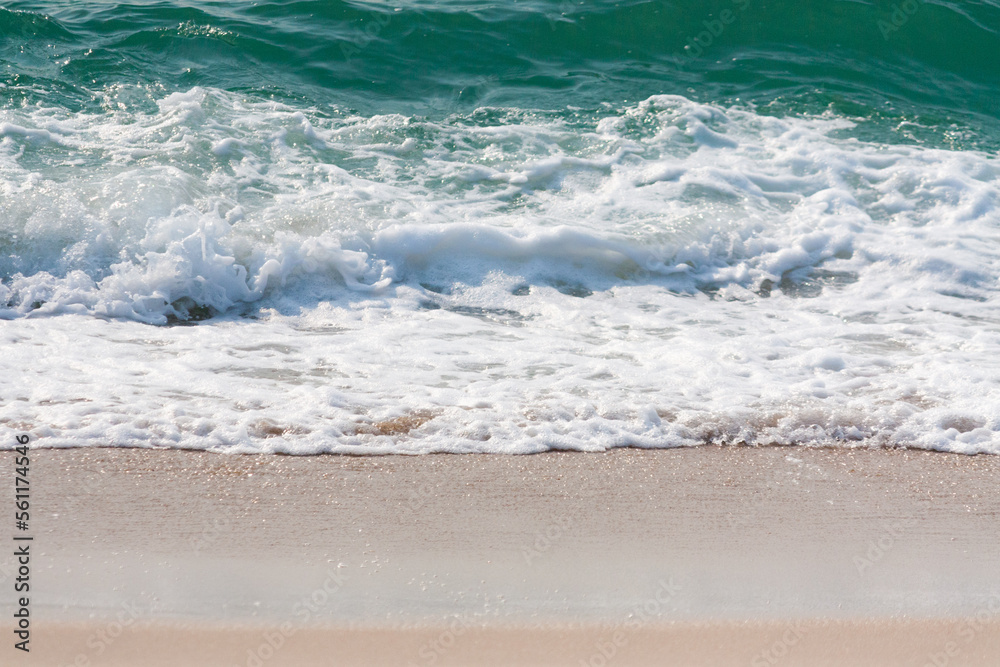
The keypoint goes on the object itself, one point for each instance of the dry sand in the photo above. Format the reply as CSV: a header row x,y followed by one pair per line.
x,y
714,556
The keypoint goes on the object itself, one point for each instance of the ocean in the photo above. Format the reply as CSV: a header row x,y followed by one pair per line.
x,y
450,226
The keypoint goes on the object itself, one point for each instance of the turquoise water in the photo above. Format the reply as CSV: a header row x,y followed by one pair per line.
x,y
939,69
506,227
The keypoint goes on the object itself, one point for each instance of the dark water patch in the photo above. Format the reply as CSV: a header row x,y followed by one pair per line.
x,y
188,312
808,284
427,304
964,295
494,315
571,289
804,283
437,289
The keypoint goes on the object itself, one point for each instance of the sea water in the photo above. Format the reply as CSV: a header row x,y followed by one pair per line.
x,y
453,226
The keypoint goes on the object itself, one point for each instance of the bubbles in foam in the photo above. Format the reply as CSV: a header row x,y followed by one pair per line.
x,y
667,274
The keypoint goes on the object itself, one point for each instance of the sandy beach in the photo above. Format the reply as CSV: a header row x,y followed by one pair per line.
x,y
755,556
541,333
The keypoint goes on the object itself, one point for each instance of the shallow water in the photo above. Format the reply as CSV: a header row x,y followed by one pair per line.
x,y
452,226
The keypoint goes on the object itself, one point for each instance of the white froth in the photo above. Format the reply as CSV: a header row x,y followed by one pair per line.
x,y
671,274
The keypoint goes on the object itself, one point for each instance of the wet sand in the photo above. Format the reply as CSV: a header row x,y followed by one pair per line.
x,y
755,556
863,643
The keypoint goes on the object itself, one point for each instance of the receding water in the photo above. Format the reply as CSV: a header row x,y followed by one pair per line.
x,y
509,227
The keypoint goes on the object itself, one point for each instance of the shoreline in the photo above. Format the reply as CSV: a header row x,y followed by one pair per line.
x,y
703,550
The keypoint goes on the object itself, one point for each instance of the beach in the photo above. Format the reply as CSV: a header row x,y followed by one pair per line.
x,y
439,332
705,555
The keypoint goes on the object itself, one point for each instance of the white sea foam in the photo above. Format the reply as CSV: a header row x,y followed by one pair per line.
x,y
666,274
